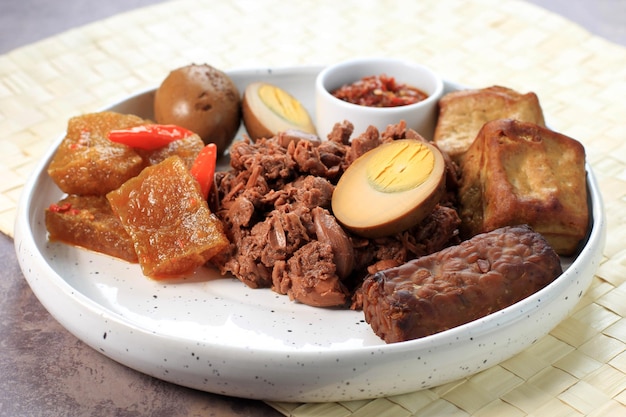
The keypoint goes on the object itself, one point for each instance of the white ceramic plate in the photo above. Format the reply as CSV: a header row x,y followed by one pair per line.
x,y
219,336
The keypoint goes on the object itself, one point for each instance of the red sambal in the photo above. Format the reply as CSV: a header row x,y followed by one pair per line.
x,y
379,91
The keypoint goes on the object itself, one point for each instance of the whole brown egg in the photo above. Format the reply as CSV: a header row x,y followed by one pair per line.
x,y
202,99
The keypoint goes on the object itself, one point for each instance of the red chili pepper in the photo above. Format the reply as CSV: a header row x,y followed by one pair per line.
x,y
203,168
149,137
63,208
56,208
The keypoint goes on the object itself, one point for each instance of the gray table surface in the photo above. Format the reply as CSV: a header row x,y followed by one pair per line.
x,y
47,372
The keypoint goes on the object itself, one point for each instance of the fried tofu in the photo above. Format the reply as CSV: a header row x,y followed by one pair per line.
x,y
169,221
89,222
521,173
463,113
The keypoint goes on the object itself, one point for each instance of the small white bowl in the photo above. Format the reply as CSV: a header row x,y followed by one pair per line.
x,y
419,116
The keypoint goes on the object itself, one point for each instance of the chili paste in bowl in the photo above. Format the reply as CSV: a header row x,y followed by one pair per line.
x,y
377,92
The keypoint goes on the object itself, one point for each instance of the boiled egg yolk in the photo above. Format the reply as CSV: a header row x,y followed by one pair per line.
x,y
390,188
284,105
268,110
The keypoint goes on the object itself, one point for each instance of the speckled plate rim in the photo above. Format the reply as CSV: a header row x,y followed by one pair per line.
x,y
304,373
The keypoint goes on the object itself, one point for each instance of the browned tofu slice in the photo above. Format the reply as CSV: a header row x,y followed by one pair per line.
x,y
522,173
463,113
169,221
89,222
87,162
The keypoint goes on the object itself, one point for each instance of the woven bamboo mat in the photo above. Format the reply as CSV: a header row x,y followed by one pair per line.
x,y
580,367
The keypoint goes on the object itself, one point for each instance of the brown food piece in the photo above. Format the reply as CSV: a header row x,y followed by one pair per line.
x,y
463,113
522,173
89,222
313,274
312,277
87,162
459,284
202,99
171,226
328,231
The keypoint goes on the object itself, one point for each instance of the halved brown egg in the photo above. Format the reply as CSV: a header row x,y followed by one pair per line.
x,y
268,110
390,188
